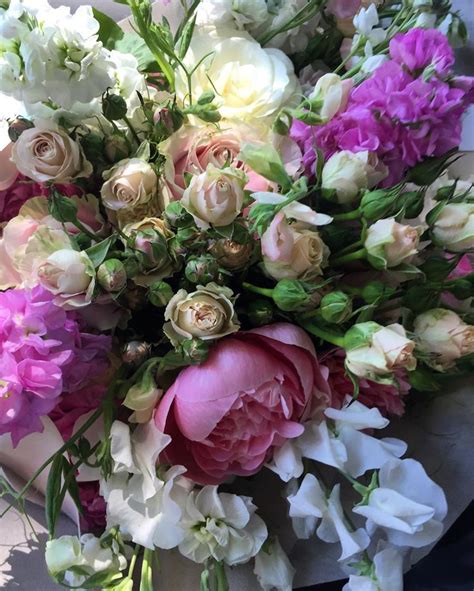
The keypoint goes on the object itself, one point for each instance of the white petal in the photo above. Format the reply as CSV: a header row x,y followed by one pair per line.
x,y
358,416
273,569
287,461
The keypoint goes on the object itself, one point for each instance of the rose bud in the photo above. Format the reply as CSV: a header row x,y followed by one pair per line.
x,y
116,148
135,352
330,96
348,173
232,255
17,127
207,313
128,184
454,227
114,107
373,350
291,295
336,307
160,293
112,276
202,269
390,244
444,335
215,197
177,216
260,312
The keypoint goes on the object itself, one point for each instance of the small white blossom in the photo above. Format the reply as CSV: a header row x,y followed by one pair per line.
x,y
273,569
222,526
386,575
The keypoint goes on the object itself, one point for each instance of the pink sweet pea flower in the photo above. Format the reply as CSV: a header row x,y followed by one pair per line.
x,y
227,415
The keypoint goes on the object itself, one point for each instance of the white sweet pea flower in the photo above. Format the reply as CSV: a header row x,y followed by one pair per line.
x,y
222,526
407,504
386,574
147,507
272,567
310,504
296,210
365,23
238,13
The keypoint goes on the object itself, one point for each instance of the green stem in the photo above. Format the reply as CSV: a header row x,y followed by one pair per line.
x,y
348,258
132,129
222,584
345,217
80,226
260,290
133,561
77,435
146,581
350,248
323,334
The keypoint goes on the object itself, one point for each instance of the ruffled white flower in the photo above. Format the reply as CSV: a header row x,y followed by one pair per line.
x,y
310,504
146,506
273,569
222,526
93,555
407,504
340,443
386,575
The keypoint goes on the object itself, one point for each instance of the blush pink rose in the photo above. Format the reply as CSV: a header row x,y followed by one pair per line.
x,y
388,399
227,415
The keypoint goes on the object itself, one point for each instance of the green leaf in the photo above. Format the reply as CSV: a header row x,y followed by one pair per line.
x,y
53,490
186,37
98,252
109,31
132,43
423,379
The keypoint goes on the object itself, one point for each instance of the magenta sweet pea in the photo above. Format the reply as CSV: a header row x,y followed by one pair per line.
x,y
224,427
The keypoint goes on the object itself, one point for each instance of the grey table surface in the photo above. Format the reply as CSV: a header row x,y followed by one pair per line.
x,y
21,555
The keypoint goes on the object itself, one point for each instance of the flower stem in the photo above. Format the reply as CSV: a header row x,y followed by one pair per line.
x,y
146,581
348,258
345,217
323,334
260,290
132,129
220,577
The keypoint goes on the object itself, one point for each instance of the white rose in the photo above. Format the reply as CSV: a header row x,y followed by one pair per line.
x,y
273,569
46,153
443,334
128,184
348,173
454,227
390,244
386,348
407,504
207,313
215,196
70,276
231,73
332,93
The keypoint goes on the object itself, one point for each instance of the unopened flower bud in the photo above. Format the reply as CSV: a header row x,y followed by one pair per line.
x,y
177,216
290,295
378,204
260,312
376,291
112,276
160,293
114,107
135,352
116,148
196,350
17,127
203,269
163,119
336,307
232,255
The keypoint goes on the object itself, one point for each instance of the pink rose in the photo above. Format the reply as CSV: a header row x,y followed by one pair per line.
x,y
191,150
388,399
8,170
222,427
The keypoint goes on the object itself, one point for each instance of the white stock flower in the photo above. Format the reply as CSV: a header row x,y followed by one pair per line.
x,y
387,574
407,504
222,526
310,503
273,569
146,506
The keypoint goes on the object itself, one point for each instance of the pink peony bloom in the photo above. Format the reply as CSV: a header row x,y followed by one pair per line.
x,y
420,48
93,519
227,415
43,353
18,193
388,399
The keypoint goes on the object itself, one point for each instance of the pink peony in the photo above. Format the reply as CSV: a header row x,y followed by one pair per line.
x,y
388,399
227,415
43,353
18,193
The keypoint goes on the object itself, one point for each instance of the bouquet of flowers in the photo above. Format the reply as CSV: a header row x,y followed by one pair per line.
x,y
230,244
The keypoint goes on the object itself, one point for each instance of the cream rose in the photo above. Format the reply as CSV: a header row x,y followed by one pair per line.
x,y
251,83
207,313
390,244
348,173
46,153
330,95
454,227
383,350
70,276
215,197
445,336
292,251
128,184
